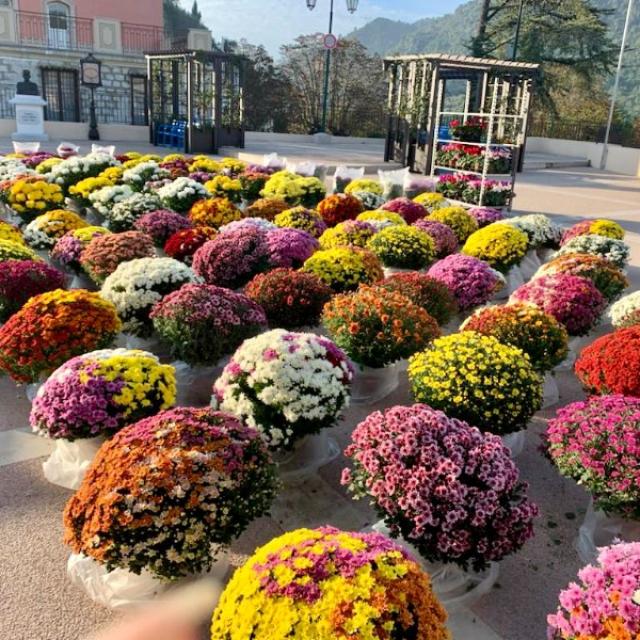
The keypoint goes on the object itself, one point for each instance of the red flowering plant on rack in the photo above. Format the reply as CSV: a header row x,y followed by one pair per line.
x,y
470,130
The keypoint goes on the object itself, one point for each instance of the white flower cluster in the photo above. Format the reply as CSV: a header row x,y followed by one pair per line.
x,y
104,199
626,311
285,385
181,189
125,212
11,167
36,237
76,168
540,229
140,174
257,223
615,251
135,286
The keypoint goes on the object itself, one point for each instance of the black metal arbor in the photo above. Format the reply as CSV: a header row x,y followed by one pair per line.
x,y
195,100
496,91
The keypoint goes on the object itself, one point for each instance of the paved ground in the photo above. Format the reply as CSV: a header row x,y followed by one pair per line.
x,y
38,603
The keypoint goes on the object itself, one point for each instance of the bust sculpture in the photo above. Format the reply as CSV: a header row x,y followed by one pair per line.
x,y
27,87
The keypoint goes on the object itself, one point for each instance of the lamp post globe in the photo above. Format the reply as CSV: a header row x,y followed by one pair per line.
x,y
311,4
352,5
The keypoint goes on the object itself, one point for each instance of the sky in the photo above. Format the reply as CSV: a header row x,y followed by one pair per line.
x,y
276,22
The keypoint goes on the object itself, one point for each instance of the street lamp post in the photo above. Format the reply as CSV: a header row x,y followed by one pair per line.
x,y
616,85
352,6
91,77
516,39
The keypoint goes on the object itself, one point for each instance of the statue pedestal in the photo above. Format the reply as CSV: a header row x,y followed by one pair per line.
x,y
29,118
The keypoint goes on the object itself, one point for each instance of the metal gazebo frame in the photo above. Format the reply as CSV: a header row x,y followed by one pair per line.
x,y
195,100
498,92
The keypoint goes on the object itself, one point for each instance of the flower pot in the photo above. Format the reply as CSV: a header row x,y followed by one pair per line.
x,y
514,280
194,382
82,281
31,390
529,264
370,385
43,254
391,271
151,344
455,587
514,442
308,455
576,345
120,588
600,530
93,217
69,461
550,391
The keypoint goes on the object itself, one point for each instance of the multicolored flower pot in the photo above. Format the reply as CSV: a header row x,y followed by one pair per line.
x,y
69,461
122,589
600,530
307,456
454,587
370,385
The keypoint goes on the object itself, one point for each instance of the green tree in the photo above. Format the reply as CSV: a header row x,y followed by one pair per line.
x,y
195,11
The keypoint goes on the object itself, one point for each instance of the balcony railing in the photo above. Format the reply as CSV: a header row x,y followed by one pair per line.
x,y
59,31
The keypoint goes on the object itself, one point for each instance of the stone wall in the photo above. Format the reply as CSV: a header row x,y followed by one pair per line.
x,y
112,99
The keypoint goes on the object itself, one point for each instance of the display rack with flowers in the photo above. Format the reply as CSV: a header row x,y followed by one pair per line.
x,y
598,227
355,585
608,279
366,185
268,208
408,209
290,247
202,323
615,251
123,215
183,244
136,285
214,212
150,171
602,605
351,232
476,378
21,280
446,241
209,477
626,311
232,259
80,193
10,250
501,245
105,252
457,219
290,299
611,364
42,232
475,190
287,386
92,396
596,444
471,281
447,489
181,194
53,327
376,328
103,200
30,198
301,218
223,186
161,224
338,208
345,268
471,129
379,219
403,247
294,189
572,300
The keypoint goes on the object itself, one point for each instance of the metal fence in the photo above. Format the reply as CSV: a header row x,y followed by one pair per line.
x,y
626,136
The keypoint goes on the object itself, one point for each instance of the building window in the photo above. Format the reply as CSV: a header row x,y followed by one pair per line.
x,y
58,18
60,90
139,100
